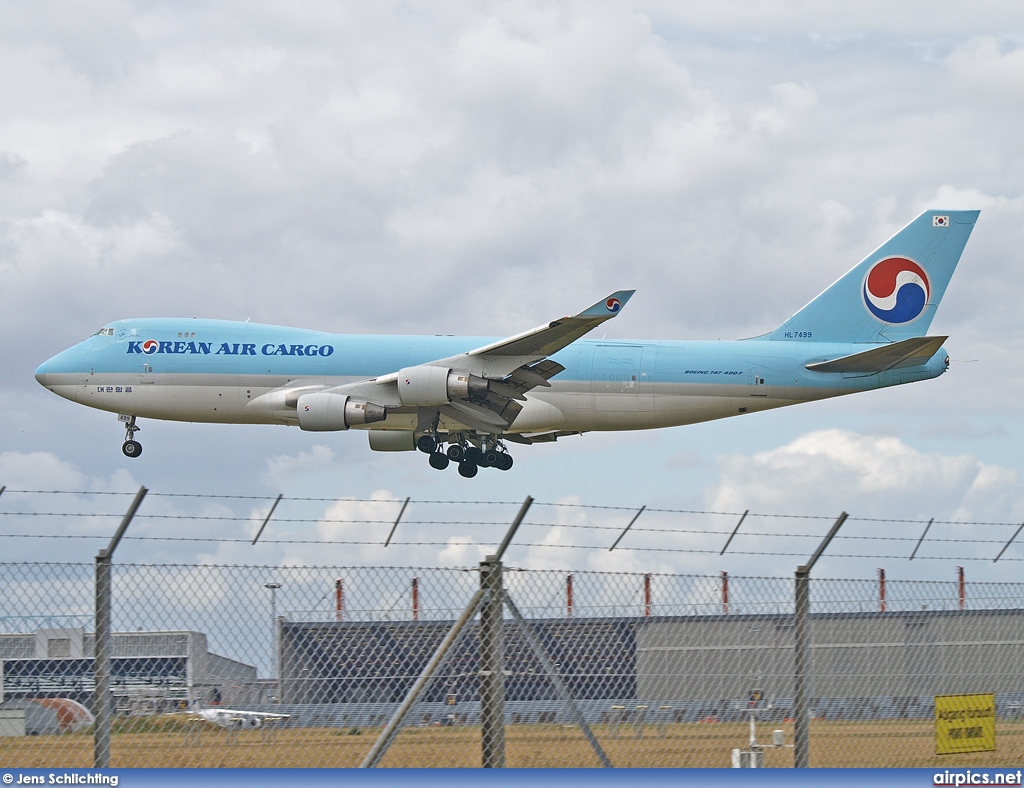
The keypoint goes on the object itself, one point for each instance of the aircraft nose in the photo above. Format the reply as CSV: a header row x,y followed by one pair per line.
x,y
41,374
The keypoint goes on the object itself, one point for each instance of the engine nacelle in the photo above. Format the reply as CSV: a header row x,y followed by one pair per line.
x,y
325,411
429,386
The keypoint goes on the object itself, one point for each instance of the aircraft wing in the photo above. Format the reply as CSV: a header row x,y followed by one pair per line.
x,y
908,353
511,367
552,337
263,715
499,359
233,717
220,710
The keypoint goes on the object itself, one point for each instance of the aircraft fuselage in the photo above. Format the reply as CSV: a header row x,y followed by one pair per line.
x,y
224,372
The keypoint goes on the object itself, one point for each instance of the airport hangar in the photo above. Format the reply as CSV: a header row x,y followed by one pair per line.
x,y
867,665
677,668
151,672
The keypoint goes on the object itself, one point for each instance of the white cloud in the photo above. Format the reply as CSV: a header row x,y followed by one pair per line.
x,y
984,69
972,198
283,469
462,551
39,470
869,475
362,519
48,242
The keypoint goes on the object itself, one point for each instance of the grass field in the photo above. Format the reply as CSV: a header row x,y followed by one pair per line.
x,y
833,744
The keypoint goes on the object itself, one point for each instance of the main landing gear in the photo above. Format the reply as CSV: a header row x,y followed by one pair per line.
x,y
468,458
131,447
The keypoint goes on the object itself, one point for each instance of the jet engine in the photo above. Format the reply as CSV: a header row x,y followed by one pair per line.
x,y
429,386
324,410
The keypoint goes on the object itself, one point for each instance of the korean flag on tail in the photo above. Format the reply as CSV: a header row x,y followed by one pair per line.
x,y
940,221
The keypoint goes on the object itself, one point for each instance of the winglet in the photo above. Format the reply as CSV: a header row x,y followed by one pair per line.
x,y
609,306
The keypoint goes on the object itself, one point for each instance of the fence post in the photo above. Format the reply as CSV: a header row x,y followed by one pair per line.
x,y
101,693
492,650
801,725
801,656
101,662
492,665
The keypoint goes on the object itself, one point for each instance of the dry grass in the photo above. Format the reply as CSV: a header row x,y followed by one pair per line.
x,y
838,744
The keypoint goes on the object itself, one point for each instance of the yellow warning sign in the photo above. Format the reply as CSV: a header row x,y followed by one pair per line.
x,y
965,723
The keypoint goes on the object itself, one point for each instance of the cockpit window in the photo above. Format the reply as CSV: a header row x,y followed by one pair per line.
x,y
105,332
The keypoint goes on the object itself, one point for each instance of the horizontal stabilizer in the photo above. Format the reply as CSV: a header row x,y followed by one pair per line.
x,y
909,353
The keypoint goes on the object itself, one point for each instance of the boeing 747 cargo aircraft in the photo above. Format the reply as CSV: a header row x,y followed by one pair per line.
x,y
464,399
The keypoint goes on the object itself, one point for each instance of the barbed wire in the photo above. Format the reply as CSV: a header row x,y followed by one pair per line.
x,y
768,547
432,502
546,545
684,531
388,521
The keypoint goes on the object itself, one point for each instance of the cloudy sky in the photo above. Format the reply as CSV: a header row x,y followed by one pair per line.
x,y
483,167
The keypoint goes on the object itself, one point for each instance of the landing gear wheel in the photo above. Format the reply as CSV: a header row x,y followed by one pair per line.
x,y
131,449
504,462
439,461
490,459
426,444
467,468
455,453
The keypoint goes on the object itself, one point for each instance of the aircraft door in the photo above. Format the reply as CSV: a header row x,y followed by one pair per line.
x,y
87,370
620,378
758,379
584,364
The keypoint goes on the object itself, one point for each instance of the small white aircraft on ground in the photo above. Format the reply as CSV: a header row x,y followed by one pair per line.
x,y
234,719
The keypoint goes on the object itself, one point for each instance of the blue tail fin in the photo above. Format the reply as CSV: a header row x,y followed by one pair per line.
x,y
892,294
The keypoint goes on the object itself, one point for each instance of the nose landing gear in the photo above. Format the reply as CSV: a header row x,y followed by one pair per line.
x,y
131,447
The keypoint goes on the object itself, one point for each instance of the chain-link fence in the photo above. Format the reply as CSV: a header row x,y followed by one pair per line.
x,y
310,666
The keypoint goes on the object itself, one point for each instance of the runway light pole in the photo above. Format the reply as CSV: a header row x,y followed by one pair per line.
x,y
275,629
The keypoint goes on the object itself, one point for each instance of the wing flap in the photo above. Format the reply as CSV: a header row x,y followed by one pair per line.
x,y
539,437
908,353
478,412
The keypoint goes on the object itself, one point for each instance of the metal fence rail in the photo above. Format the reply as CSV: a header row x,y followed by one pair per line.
x,y
306,666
